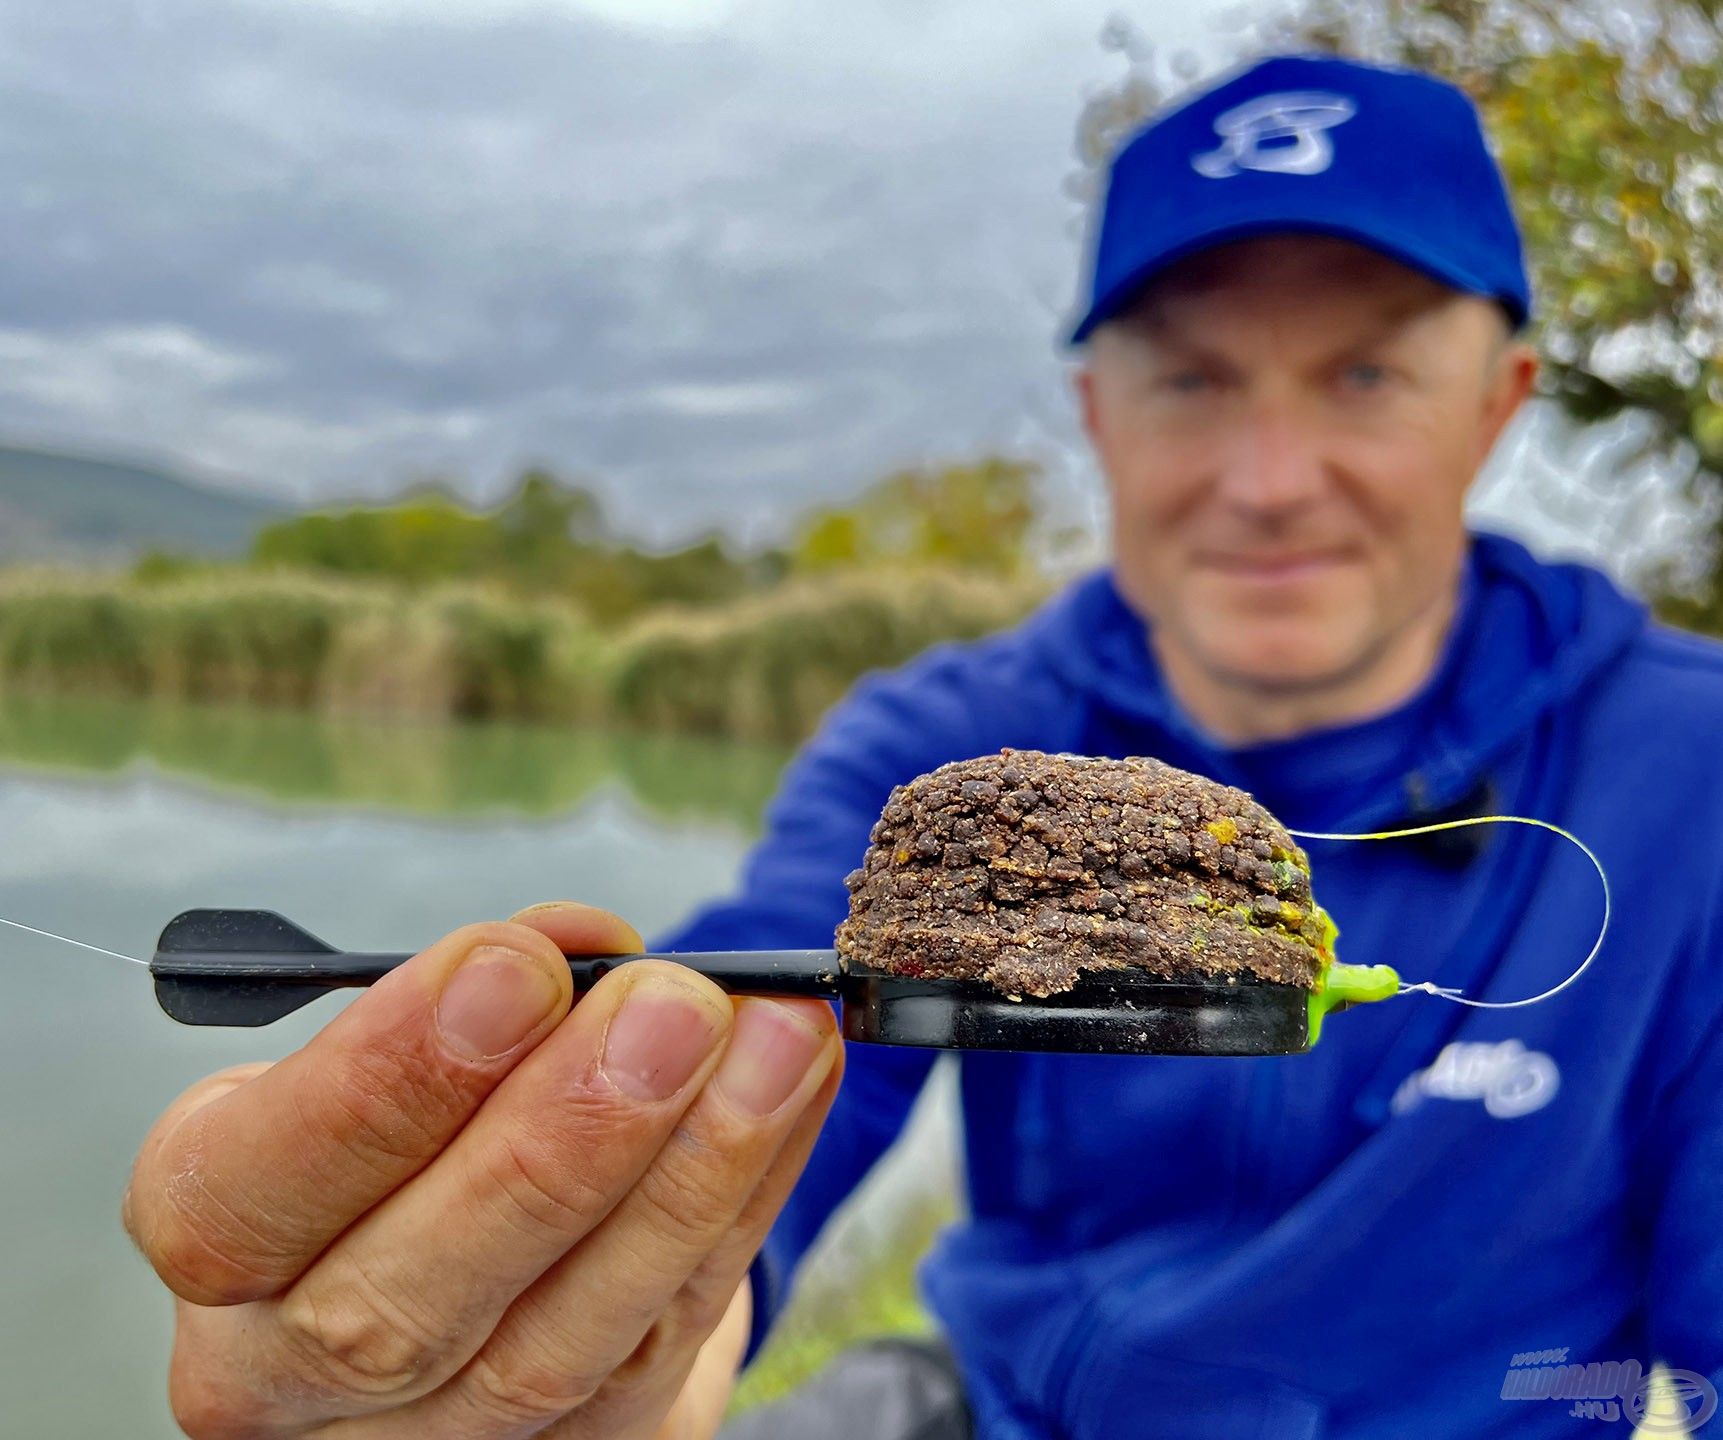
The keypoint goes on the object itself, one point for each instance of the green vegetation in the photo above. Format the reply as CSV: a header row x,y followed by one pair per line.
x,y
547,541
769,667
1696,605
965,517
764,668
533,612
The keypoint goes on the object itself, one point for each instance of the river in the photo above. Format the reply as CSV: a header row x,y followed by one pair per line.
x,y
116,816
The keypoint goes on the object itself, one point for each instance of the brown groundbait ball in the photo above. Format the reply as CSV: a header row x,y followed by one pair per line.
x,y
1023,869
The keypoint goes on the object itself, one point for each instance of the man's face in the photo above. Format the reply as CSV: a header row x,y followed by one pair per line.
x,y
1288,426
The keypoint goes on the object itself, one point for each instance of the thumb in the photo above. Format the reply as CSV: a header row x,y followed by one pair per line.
x,y
206,1090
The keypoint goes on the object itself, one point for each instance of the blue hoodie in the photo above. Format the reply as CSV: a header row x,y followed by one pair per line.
x,y
1359,1241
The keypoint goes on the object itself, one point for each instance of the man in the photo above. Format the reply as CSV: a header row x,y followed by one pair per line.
x,y
1301,345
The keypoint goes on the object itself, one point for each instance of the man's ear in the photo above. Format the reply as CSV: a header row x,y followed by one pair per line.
x,y
1514,375
1083,381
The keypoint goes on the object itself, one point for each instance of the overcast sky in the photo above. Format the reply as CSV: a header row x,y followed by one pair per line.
x,y
720,257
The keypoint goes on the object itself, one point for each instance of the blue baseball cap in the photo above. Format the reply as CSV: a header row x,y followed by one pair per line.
x,y
1389,158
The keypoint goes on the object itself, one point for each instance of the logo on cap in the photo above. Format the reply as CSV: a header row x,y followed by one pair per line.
x,y
1285,134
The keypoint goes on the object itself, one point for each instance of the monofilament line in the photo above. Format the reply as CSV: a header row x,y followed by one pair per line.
x,y
1448,992
68,940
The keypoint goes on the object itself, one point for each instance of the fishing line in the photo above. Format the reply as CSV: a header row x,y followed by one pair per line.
x,y
1424,987
68,940
1450,992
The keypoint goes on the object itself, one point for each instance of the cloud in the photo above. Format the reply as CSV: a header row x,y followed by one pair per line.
x,y
115,368
734,398
713,257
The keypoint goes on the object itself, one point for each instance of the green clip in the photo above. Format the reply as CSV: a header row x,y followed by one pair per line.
x,y
1343,985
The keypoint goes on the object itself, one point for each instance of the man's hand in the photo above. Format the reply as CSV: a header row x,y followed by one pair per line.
x,y
466,1210
699,1409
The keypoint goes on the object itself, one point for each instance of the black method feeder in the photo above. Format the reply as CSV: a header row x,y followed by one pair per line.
x,y
251,967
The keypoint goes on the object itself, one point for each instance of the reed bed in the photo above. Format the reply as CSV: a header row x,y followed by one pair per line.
x,y
762,668
768,667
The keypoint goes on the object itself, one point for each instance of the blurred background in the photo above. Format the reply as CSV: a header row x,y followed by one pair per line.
x,y
449,456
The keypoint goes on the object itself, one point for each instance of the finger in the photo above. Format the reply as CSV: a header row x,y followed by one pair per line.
x,y
566,1334
406,1297
211,1087
638,1392
705,1395
580,929
700,1404
234,1199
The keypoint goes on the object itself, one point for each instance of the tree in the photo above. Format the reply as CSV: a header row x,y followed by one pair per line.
x,y
546,540
425,538
1608,122
965,517
542,526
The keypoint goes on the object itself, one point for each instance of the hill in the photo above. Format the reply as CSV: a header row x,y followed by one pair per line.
x,y
75,507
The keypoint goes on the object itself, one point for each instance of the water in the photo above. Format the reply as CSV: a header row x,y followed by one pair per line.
x,y
116,816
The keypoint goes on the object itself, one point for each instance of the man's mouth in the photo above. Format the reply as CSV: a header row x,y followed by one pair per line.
x,y
1280,567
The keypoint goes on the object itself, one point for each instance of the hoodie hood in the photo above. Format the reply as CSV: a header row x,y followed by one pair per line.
x,y
1527,636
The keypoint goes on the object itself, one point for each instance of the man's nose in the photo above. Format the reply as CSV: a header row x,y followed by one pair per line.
x,y
1274,465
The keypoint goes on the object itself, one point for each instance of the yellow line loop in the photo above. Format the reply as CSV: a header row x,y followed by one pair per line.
x,y
1429,987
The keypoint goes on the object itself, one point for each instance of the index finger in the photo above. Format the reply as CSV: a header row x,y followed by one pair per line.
x,y
234,1201
579,929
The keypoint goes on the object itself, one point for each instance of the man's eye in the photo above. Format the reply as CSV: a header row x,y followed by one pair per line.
x,y
1187,382
1365,375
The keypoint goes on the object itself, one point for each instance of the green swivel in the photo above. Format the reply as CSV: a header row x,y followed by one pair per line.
x,y
1343,985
